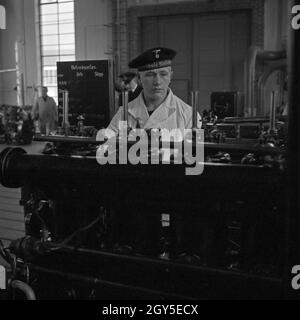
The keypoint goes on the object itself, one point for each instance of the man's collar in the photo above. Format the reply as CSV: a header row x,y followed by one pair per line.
x,y
165,102
137,108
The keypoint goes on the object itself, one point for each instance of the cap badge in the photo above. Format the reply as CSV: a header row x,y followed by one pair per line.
x,y
157,53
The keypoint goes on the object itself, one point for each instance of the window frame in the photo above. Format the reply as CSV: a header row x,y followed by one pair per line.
x,y
58,46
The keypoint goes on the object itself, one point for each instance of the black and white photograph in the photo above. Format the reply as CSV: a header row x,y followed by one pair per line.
x,y
149,153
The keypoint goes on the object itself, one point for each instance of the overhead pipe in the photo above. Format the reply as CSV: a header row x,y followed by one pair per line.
x,y
255,54
277,66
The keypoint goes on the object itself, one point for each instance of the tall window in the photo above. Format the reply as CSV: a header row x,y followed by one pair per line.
x,y
57,34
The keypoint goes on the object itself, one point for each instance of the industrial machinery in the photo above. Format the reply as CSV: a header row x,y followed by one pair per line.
x,y
17,125
124,231
69,248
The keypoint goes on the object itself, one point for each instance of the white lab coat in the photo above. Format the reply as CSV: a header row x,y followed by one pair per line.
x,y
173,113
46,113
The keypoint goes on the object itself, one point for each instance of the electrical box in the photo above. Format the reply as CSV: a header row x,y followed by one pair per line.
x,y
226,104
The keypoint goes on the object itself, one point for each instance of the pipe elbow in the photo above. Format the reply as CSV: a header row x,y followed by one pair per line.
x,y
25,288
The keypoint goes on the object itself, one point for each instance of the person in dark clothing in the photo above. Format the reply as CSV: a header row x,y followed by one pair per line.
x,y
129,82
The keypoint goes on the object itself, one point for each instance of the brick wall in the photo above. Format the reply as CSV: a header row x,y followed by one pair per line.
x,y
128,29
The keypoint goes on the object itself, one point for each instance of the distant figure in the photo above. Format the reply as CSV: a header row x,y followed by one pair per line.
x,y
129,82
45,111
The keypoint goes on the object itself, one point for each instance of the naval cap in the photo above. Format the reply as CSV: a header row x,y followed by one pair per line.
x,y
154,58
127,76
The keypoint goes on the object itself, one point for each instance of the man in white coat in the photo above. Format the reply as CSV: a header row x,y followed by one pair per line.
x,y
156,107
45,111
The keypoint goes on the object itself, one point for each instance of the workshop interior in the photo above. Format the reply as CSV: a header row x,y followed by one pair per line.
x,y
76,226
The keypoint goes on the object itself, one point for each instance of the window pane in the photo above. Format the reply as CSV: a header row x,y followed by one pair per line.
x,y
66,17
49,8
47,1
66,7
49,76
49,18
57,38
49,71
66,38
50,81
50,50
67,58
68,49
48,40
66,28
50,61
49,29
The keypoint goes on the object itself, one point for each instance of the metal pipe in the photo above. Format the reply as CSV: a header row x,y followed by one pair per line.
x,y
170,264
18,168
249,78
8,70
195,95
254,54
117,24
18,74
277,66
106,283
272,113
2,18
25,288
65,107
22,89
125,105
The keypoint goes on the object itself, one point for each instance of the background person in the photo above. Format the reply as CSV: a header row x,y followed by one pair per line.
x,y
130,83
45,111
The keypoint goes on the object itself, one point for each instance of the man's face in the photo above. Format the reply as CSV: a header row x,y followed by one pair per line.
x,y
44,92
130,85
156,82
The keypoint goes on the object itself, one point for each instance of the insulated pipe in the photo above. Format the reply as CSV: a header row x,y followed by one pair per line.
x,y
19,76
20,101
25,288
